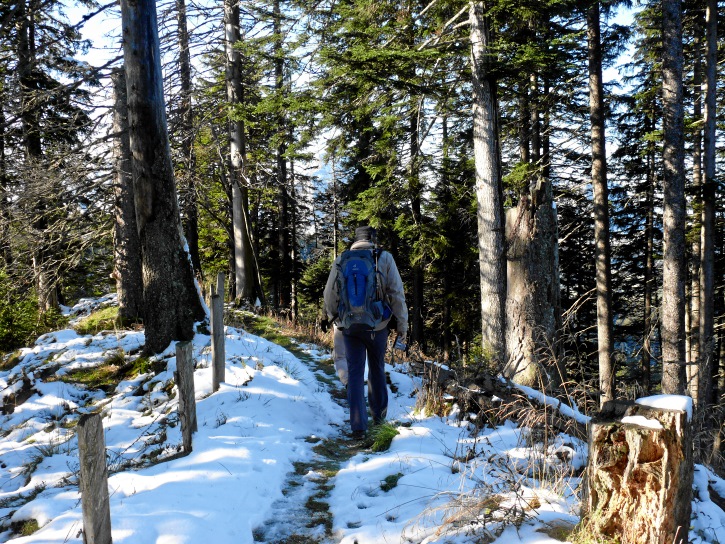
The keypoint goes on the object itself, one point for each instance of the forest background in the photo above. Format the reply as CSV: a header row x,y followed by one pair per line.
x,y
290,123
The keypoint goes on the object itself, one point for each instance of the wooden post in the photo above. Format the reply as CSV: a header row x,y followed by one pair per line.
x,y
640,474
94,480
187,399
217,332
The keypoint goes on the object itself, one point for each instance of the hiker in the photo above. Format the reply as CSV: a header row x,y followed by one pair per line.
x,y
361,303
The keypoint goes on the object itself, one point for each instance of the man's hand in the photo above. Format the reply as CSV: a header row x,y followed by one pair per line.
x,y
325,325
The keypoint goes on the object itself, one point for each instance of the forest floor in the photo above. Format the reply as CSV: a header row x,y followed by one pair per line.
x,y
272,461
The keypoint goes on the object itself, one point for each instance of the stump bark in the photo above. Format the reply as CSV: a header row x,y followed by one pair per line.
x,y
639,477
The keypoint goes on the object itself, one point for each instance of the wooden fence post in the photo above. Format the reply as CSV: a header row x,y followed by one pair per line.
x,y
94,480
640,474
217,332
187,399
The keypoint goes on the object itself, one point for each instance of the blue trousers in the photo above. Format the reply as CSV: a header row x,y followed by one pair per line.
x,y
358,345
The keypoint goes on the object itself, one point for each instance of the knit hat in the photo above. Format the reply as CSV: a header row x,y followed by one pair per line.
x,y
366,234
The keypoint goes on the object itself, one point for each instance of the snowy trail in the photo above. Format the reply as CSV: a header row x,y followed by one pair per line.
x,y
272,462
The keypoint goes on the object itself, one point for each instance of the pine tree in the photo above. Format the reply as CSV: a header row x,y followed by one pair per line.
x,y
674,272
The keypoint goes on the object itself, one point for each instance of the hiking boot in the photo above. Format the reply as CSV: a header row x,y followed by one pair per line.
x,y
358,435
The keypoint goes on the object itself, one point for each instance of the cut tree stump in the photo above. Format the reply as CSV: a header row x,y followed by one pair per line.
x,y
639,477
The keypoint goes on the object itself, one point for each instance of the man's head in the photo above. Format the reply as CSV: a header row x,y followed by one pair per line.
x,y
366,234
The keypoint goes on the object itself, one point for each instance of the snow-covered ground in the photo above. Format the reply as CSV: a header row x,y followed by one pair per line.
x,y
438,481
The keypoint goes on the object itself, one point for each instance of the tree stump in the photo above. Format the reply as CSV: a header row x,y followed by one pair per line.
x,y
640,474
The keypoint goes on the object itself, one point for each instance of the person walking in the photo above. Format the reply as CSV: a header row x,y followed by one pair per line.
x,y
364,324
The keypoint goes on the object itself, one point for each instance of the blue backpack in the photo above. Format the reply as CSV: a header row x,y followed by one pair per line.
x,y
360,307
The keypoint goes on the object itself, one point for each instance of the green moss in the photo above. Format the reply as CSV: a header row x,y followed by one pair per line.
x,y
103,319
10,361
103,376
382,436
29,527
391,482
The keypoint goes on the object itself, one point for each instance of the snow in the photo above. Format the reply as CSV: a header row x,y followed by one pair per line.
x,y
680,403
540,397
643,422
267,420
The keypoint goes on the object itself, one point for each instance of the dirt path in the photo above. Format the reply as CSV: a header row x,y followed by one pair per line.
x,y
303,515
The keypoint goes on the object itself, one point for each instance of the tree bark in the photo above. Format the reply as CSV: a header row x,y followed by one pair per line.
x,y
639,477
5,248
709,201
126,244
490,216
283,299
171,299
190,212
692,315
45,275
674,274
649,272
532,301
245,272
415,189
601,208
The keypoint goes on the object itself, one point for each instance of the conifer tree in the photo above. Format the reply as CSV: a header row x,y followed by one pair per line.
x,y
674,272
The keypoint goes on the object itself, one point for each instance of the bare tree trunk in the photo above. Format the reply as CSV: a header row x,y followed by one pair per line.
x,y
5,249
126,244
283,299
294,308
649,272
415,189
189,206
45,276
601,209
171,299
692,315
491,250
532,294
674,271
245,271
709,197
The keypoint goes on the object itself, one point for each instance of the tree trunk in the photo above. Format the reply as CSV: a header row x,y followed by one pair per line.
x,y
5,249
674,269
639,478
294,302
45,275
692,315
491,251
188,203
245,272
532,296
601,208
649,273
415,189
709,201
283,238
126,245
171,299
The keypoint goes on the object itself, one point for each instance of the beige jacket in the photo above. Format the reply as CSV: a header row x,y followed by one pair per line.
x,y
391,283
